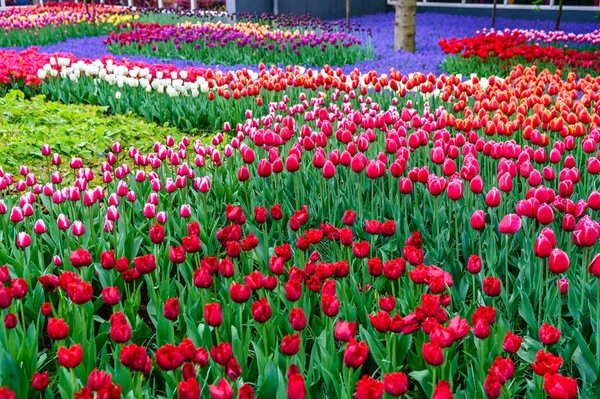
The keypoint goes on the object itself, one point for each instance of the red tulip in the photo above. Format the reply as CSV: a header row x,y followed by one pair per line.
x,y
361,249
290,344
296,388
70,357
111,296
297,319
239,293
558,262
168,357
355,354
474,264
134,357
171,309
222,390
512,342
213,314
120,331
395,384
368,388
549,335
344,331
40,381
557,386
546,363
432,354
492,386
188,389
442,391
261,310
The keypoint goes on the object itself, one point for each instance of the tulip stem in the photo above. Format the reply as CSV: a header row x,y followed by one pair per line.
x,y
506,266
597,319
456,232
349,383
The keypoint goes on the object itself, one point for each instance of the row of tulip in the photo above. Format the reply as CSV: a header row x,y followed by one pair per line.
x,y
246,42
345,236
497,53
192,97
55,22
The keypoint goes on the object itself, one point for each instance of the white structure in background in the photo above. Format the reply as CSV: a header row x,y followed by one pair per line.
x,y
504,5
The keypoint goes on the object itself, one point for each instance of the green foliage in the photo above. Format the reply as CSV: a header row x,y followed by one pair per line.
x,y
73,130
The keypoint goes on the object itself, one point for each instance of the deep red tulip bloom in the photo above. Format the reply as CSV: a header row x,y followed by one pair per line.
x,y
40,381
169,357
188,389
381,321
344,330
246,392
80,292
557,386
19,288
261,310
177,254
368,388
157,234
98,380
387,303
145,264
330,305
191,244
134,357
290,344
296,387
223,389
361,249
549,335
213,314
120,331
512,342
349,217
563,286
222,353
474,264
107,260
70,357
395,384
111,296
80,258
171,309
492,386
546,363
297,319
442,391
239,293
432,354
355,354
492,286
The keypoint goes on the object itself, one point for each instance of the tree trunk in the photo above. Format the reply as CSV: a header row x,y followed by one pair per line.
x,y
494,14
560,5
404,29
348,14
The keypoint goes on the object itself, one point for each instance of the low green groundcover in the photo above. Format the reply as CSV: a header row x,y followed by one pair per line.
x,y
71,130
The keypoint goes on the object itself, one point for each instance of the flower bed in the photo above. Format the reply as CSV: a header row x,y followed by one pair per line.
x,y
55,22
342,235
498,52
246,42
